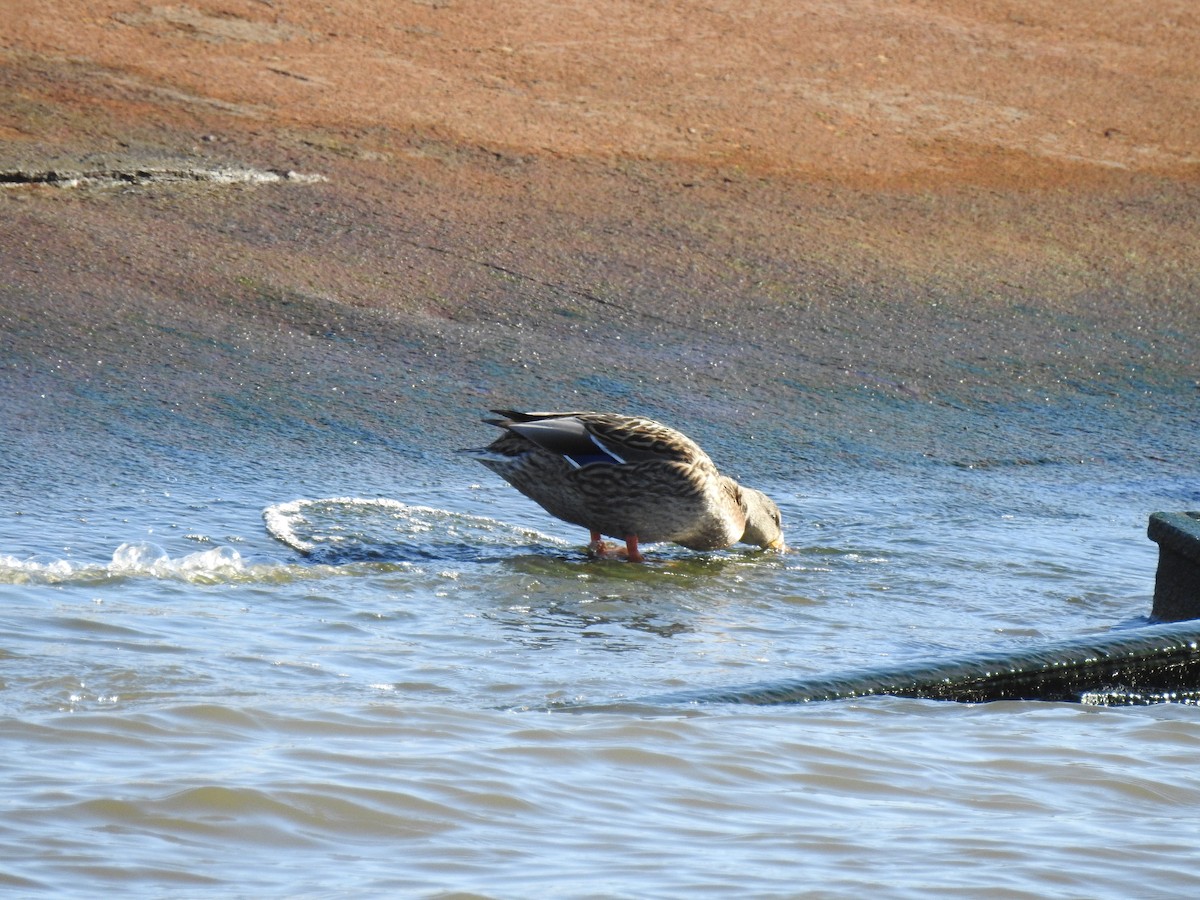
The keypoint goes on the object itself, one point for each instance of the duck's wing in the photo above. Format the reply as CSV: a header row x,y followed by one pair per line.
x,y
567,437
589,438
515,415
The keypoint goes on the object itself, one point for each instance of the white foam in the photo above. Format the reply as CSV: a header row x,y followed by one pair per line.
x,y
36,569
281,521
138,559
144,558
371,531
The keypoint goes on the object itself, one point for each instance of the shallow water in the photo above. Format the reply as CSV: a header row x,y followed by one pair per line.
x,y
284,663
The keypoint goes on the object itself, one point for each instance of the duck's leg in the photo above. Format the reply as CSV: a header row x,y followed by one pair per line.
x,y
631,549
597,546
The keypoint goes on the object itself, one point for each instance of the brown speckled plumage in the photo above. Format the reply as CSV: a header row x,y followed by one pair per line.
x,y
629,478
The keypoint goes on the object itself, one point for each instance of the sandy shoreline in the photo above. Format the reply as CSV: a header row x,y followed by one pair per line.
x,y
688,210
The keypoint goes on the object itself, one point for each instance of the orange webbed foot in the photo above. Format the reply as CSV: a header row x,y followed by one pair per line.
x,y
602,550
597,547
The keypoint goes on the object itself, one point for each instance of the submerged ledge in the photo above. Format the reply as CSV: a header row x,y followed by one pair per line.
x,y
1154,664
140,175
1138,666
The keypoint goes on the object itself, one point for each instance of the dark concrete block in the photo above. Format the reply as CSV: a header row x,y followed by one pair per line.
x,y
1177,583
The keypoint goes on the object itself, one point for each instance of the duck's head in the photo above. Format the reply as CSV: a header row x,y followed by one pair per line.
x,y
764,524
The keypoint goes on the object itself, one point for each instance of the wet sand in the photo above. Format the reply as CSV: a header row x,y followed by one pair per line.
x,y
720,216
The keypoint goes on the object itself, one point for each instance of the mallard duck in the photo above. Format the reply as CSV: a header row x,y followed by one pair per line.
x,y
629,478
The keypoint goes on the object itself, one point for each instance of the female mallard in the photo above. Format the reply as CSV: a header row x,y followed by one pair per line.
x,y
628,478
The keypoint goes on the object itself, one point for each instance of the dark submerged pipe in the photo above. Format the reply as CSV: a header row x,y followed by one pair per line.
x,y
1140,665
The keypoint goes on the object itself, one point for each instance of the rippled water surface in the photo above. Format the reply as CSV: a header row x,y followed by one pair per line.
x,y
276,666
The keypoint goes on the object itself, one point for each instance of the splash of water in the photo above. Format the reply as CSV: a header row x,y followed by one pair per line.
x,y
350,529
130,560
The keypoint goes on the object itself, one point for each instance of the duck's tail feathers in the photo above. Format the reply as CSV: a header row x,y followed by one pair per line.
x,y
484,454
